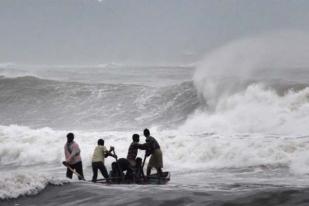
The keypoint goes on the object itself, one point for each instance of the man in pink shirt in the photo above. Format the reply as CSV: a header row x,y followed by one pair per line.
x,y
72,156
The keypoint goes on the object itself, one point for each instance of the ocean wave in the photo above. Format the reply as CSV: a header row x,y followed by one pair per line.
x,y
277,107
274,57
254,85
257,109
37,102
183,150
23,146
13,185
223,150
114,73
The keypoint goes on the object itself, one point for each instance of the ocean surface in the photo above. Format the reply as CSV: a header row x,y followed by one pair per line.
x,y
227,139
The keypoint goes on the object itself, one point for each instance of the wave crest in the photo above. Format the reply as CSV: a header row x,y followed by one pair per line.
x,y
38,102
15,185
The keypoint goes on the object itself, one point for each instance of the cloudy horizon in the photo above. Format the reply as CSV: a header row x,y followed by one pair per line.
x,y
161,32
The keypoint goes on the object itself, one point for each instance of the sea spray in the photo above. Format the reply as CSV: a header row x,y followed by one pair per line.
x,y
231,68
257,109
256,84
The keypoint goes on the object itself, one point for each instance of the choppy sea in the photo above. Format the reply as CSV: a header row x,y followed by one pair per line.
x,y
226,141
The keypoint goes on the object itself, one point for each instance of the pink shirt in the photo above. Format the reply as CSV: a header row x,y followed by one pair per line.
x,y
72,153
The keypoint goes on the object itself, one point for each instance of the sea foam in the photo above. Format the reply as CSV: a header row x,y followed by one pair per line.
x,y
15,184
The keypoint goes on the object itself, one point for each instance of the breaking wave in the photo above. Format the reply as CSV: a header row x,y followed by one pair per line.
x,y
247,107
37,102
20,184
181,149
254,85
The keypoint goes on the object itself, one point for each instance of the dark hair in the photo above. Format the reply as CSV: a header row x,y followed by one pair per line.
x,y
70,137
146,132
135,137
100,142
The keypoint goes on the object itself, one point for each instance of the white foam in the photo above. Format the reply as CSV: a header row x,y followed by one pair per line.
x,y
258,109
270,56
25,146
183,149
236,151
232,129
234,105
15,184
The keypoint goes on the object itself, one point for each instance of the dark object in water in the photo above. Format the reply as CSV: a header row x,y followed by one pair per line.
x,y
151,179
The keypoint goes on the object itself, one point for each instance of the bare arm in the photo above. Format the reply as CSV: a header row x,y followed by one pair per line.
x,y
144,146
110,152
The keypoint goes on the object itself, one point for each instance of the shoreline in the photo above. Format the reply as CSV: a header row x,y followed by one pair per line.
x,y
96,194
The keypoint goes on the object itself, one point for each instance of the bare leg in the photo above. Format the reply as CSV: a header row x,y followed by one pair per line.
x,y
148,170
159,171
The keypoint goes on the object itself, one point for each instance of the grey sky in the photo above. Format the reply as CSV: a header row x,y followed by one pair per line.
x,y
135,31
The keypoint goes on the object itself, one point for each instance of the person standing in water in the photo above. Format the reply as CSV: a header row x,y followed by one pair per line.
x,y
98,157
136,163
133,149
73,158
153,149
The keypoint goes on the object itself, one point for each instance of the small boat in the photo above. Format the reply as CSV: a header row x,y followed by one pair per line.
x,y
155,179
151,179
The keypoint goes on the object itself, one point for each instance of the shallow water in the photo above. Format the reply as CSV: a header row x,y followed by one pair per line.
x,y
95,194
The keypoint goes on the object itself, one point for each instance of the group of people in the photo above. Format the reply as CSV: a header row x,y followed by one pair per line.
x,y
130,168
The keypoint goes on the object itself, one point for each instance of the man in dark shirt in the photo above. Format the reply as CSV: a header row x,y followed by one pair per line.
x,y
133,149
153,149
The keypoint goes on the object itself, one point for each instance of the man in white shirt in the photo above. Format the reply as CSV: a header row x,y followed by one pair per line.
x,y
72,157
98,157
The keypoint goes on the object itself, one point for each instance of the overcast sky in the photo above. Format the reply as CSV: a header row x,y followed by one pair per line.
x,y
136,31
